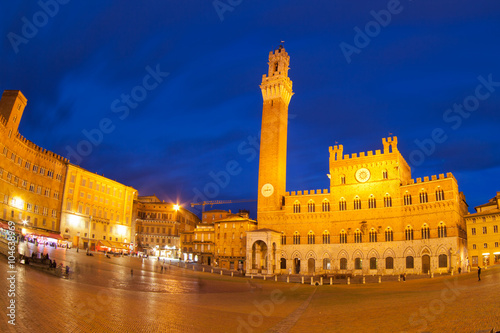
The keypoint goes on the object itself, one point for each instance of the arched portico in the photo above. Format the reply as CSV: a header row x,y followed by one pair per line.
x,y
263,247
259,256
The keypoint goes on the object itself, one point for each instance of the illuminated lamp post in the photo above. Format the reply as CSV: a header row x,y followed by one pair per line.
x,y
176,208
88,248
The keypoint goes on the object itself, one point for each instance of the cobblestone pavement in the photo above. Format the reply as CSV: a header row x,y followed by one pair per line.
x,y
102,295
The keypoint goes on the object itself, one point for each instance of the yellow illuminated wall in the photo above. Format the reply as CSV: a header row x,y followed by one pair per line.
x,y
483,237
96,206
31,178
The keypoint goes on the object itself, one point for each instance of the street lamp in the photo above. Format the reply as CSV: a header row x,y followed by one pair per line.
x,y
88,248
78,245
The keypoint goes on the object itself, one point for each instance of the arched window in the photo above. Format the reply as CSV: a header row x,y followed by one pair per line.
x,y
283,239
283,263
409,233
425,232
342,179
443,260
439,194
389,235
384,174
358,237
423,196
325,205
407,199
326,237
409,262
358,263
326,264
311,238
343,237
373,263
389,263
296,207
311,207
373,236
372,203
441,230
357,203
296,237
343,263
387,200
342,204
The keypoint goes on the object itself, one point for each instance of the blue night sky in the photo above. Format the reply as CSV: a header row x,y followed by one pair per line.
x,y
76,65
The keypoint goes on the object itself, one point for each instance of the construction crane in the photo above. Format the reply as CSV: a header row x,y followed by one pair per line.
x,y
217,202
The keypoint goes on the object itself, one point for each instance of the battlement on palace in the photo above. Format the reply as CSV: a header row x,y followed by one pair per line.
x,y
306,192
37,149
432,178
390,147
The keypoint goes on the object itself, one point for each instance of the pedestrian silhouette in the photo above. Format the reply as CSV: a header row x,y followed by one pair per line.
x,y
478,273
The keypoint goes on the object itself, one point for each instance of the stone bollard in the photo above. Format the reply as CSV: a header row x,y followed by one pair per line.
x,y
399,278
264,278
221,272
302,280
379,279
432,275
321,281
193,267
312,282
363,280
451,272
203,269
251,276
212,270
276,278
288,279
348,280
231,274
331,281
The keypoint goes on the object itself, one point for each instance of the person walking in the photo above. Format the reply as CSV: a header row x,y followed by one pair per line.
x,y
478,273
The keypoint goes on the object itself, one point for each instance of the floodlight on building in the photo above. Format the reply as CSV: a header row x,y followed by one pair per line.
x,y
18,203
176,207
486,254
121,230
74,220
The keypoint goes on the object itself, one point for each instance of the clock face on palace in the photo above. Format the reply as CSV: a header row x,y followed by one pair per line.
x,y
267,190
362,175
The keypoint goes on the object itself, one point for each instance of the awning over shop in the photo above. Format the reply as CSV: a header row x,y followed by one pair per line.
x,y
41,233
105,243
119,245
114,245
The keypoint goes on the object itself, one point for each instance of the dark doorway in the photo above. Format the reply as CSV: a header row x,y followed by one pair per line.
x,y
426,264
296,264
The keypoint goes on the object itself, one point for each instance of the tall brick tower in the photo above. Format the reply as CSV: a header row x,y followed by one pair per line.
x,y
12,107
276,91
